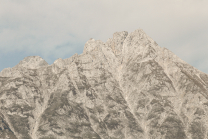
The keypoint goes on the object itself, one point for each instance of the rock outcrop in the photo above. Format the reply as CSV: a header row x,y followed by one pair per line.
x,y
126,88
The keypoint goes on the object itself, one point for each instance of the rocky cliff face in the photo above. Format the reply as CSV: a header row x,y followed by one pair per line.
x,y
126,88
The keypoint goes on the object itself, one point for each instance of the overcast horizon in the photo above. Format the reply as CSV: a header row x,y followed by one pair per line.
x,y
56,29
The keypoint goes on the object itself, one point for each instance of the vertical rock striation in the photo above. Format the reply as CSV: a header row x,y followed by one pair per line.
x,y
126,88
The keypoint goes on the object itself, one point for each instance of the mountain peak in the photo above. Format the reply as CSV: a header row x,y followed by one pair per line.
x,y
126,88
91,44
32,62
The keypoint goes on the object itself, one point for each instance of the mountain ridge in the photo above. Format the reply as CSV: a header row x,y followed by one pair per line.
x,y
125,88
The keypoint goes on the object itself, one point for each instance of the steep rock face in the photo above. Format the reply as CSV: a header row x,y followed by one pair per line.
x,y
116,43
126,88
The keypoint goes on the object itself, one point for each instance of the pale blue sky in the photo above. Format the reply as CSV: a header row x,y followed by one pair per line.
x,y
56,29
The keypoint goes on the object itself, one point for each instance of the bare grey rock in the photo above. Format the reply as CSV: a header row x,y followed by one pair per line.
x,y
126,88
32,62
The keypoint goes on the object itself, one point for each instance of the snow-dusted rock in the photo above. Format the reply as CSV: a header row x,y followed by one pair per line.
x,y
126,88
32,62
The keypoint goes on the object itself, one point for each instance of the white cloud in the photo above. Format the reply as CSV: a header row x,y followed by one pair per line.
x,y
42,26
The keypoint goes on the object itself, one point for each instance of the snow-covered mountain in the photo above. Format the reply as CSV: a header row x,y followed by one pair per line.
x,y
126,88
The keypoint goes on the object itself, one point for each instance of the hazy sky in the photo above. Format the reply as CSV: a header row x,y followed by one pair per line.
x,y
56,29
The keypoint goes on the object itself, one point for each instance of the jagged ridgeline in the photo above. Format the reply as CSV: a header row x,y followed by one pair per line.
x,y
126,88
